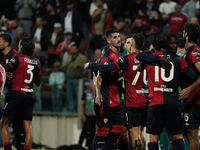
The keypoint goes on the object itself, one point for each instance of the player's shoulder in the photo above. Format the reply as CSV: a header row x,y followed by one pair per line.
x,y
14,51
106,53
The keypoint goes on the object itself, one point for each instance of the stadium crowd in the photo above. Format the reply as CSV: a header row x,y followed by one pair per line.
x,y
69,33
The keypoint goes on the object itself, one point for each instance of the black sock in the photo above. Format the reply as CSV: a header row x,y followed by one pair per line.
x,y
100,142
7,145
179,144
153,146
112,141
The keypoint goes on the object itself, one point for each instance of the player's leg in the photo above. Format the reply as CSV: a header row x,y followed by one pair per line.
x,y
192,120
155,124
143,138
28,134
153,142
103,122
135,133
5,133
18,130
122,142
193,139
174,125
117,127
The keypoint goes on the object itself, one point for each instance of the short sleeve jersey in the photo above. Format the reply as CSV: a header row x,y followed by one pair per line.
x,y
135,82
163,83
192,56
26,71
4,60
110,84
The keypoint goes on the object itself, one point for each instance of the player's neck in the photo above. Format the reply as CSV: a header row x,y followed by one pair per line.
x,y
133,50
187,45
6,50
114,49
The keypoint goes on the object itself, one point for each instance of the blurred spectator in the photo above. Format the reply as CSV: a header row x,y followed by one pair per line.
x,y
182,2
177,20
40,35
74,71
19,34
56,81
82,6
189,9
147,32
151,6
56,36
7,9
116,8
97,55
166,8
88,115
37,89
197,10
63,49
136,7
139,26
51,17
25,14
156,21
101,21
50,57
194,20
93,7
1,31
73,22
120,24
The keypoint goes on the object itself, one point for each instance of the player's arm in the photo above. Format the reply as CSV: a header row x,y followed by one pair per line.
x,y
141,66
149,58
12,64
99,97
121,64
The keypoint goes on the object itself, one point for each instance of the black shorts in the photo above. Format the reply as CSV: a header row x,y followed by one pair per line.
x,y
192,116
137,116
19,105
109,116
164,116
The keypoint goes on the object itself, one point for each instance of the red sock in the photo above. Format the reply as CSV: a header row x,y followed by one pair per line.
x,y
27,147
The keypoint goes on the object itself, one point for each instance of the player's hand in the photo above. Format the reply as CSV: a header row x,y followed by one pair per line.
x,y
9,75
165,62
185,93
99,99
83,118
86,65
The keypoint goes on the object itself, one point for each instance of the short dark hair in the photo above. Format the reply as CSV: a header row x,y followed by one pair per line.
x,y
170,35
105,48
181,43
139,40
193,31
27,46
158,40
128,36
6,38
111,31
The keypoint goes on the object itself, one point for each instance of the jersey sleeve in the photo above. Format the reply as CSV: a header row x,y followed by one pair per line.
x,y
40,70
123,63
141,66
103,68
148,57
183,64
12,64
195,55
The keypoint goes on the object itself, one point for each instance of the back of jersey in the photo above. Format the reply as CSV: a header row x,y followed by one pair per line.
x,y
163,83
26,72
135,82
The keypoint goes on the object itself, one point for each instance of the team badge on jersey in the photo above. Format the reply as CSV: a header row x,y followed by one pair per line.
x,y
105,120
12,60
121,59
105,63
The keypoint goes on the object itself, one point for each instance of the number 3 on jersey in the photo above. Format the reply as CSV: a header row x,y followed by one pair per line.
x,y
29,71
137,76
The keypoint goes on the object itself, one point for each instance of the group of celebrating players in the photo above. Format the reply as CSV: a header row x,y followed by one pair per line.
x,y
19,70
151,94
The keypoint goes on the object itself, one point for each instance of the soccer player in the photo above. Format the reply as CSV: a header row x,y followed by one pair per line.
x,y
191,34
110,114
164,96
27,70
7,54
